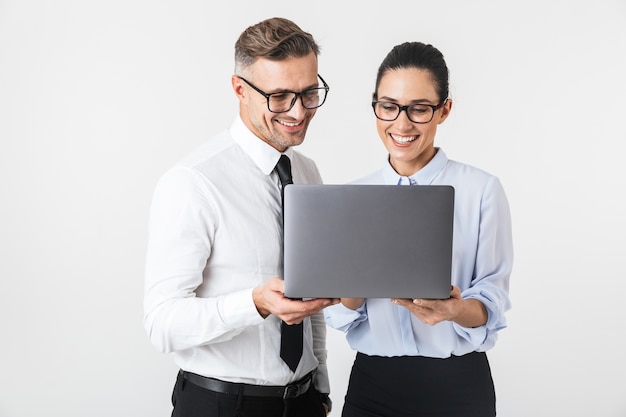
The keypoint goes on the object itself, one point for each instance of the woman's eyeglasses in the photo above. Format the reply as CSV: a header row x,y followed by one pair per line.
x,y
417,113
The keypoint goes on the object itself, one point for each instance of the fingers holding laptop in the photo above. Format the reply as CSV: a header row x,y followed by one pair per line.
x,y
269,298
465,312
294,311
433,311
352,303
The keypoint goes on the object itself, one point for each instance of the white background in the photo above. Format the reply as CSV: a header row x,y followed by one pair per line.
x,y
99,98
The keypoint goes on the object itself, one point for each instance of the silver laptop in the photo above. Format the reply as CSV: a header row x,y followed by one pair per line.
x,y
374,241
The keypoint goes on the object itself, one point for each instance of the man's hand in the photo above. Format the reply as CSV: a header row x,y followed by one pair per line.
x,y
269,298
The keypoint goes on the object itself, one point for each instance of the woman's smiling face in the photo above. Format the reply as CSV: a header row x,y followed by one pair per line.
x,y
410,145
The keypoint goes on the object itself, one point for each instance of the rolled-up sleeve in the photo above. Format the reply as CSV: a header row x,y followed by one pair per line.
x,y
494,263
343,318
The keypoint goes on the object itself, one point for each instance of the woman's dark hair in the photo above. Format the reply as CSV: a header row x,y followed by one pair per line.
x,y
417,55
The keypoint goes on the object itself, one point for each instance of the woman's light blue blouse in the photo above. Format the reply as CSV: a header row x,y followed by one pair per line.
x,y
481,266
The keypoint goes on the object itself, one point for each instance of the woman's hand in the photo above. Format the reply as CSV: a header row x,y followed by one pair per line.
x,y
465,312
352,303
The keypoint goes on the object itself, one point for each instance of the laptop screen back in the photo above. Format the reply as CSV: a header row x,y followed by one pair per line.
x,y
356,240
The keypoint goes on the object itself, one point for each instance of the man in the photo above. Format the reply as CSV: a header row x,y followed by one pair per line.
x,y
213,295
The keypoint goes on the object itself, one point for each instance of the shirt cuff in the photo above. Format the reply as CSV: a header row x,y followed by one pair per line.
x,y
476,336
343,318
238,310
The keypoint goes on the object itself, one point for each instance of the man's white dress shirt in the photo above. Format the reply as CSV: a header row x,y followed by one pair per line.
x,y
215,233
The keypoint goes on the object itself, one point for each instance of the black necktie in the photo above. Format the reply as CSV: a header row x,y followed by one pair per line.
x,y
291,335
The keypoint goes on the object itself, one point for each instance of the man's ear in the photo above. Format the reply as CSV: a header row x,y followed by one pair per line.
x,y
238,88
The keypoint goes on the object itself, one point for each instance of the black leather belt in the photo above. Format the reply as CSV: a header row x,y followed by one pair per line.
x,y
286,392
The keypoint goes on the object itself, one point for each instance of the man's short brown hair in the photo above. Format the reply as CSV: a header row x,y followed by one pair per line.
x,y
275,39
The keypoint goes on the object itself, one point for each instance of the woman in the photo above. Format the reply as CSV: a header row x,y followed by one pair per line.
x,y
418,357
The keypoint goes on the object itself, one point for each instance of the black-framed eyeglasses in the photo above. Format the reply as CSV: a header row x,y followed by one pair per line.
x,y
283,101
417,113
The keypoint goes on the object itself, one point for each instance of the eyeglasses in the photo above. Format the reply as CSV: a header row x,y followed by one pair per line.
x,y
283,101
417,113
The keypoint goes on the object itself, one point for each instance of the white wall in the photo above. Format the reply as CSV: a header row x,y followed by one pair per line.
x,y
98,98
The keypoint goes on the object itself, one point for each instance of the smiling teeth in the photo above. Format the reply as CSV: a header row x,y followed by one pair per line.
x,y
403,139
288,124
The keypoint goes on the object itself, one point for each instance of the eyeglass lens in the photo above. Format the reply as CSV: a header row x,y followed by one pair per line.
x,y
311,99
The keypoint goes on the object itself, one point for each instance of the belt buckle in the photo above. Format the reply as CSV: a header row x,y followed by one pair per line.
x,y
291,391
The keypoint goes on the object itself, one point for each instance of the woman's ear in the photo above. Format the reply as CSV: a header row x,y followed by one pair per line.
x,y
445,111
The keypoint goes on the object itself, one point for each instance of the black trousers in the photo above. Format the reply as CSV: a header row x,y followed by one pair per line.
x,y
415,386
190,400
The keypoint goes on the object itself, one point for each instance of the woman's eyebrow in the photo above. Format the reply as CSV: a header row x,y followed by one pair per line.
x,y
416,101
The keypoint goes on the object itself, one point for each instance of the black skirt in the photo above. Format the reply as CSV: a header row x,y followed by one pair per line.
x,y
412,386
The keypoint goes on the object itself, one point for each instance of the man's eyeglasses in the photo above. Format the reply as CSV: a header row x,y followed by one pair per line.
x,y
417,113
283,101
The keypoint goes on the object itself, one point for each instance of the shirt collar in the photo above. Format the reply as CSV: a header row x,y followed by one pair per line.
x,y
424,176
264,156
